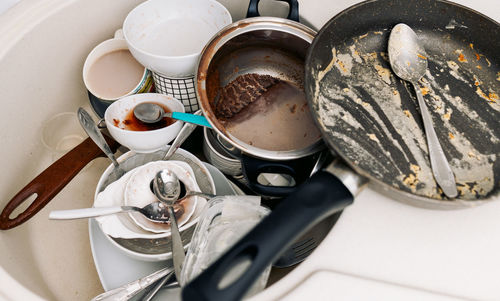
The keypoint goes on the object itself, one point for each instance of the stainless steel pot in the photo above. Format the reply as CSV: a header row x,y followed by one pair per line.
x,y
263,45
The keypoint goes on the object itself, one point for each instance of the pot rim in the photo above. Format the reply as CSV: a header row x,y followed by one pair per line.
x,y
209,51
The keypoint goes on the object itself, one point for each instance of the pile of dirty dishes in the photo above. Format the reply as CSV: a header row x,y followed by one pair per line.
x,y
132,232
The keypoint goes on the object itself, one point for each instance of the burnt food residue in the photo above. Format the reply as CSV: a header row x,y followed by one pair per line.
x,y
242,91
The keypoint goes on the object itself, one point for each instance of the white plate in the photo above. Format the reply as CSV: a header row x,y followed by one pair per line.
x,y
115,268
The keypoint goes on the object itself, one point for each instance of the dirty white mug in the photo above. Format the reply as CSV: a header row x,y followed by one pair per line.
x,y
111,72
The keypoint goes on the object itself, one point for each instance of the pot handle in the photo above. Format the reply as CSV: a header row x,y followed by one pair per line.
x,y
48,184
293,13
322,195
299,170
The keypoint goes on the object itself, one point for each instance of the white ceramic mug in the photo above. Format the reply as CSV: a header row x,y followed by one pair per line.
x,y
99,102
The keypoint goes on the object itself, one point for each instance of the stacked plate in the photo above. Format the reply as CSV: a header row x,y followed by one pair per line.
x,y
132,233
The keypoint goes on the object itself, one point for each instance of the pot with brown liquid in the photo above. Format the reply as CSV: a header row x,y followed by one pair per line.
x,y
250,85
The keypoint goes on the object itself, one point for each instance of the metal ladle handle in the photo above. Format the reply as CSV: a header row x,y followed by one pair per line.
x,y
95,134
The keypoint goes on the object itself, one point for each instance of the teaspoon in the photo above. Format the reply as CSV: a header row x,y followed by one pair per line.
x,y
148,112
155,212
167,188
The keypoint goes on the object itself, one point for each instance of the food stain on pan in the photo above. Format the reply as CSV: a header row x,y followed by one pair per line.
x,y
454,24
370,102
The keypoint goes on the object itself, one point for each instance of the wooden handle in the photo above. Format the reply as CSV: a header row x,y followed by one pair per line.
x,y
52,180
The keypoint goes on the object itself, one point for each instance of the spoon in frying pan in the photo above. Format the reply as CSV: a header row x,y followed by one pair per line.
x,y
148,112
155,212
408,60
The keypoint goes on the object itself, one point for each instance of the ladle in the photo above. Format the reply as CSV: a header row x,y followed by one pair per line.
x,y
149,112
167,188
155,212
408,60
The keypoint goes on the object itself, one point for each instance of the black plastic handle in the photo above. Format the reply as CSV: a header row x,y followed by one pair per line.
x,y
298,169
322,195
293,13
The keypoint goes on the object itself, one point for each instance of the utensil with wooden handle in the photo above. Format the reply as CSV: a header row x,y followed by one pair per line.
x,y
51,181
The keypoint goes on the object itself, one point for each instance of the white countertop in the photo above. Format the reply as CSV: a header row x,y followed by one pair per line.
x,y
404,249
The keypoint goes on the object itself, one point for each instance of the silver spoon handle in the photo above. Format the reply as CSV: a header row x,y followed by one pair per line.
x,y
93,131
156,288
440,167
186,130
177,248
86,212
131,289
197,193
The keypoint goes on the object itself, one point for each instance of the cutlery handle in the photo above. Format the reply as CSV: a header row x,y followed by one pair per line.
x,y
185,132
84,213
93,131
323,194
177,247
440,167
47,184
131,289
191,118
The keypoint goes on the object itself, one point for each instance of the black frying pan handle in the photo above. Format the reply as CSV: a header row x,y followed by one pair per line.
x,y
322,195
293,13
298,169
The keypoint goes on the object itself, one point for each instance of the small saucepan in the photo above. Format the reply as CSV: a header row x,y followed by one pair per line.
x,y
276,133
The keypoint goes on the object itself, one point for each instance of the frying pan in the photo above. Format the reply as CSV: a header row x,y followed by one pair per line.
x,y
369,119
52,180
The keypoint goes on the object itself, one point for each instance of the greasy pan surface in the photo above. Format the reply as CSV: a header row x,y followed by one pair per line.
x,y
371,118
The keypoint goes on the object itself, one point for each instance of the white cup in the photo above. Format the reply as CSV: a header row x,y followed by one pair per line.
x,y
99,102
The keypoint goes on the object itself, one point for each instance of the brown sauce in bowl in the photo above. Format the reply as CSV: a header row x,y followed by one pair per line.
x,y
131,123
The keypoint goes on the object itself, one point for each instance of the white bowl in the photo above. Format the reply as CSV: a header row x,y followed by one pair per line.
x,y
137,192
142,141
167,36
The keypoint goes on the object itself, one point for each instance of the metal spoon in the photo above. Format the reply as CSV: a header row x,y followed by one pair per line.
x,y
95,134
186,130
148,112
131,289
156,212
409,61
167,189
